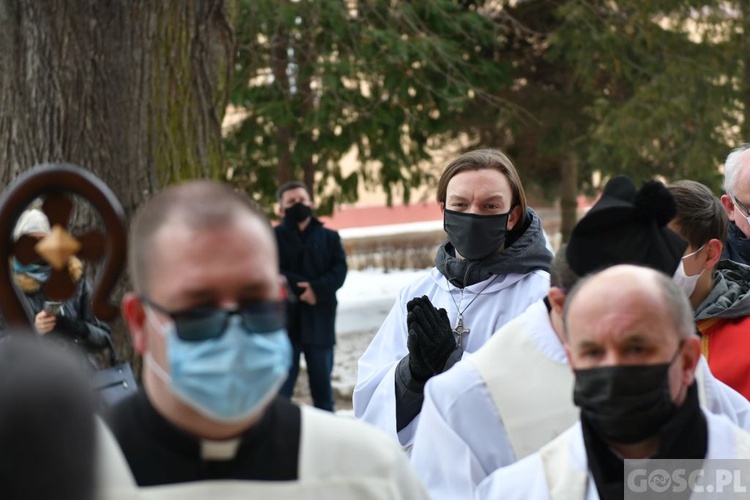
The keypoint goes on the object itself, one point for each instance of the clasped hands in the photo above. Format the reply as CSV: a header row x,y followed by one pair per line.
x,y
431,340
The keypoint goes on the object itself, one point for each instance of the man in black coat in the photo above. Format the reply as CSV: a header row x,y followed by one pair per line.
x,y
313,261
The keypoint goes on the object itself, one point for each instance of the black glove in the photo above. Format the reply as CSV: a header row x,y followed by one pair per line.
x,y
430,340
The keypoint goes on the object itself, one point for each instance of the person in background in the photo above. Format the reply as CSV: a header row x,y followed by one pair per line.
x,y
313,261
736,201
631,345
493,266
71,322
718,290
208,316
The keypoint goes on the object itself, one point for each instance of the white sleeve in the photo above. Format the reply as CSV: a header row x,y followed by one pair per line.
x,y
524,480
374,395
460,438
336,452
722,399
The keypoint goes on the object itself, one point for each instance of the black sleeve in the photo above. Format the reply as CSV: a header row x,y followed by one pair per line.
x,y
93,332
409,395
325,286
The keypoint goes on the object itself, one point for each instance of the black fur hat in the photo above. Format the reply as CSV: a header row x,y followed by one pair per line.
x,y
627,227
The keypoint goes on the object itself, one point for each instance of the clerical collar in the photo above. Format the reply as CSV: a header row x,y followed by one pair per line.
x,y
206,449
219,450
685,436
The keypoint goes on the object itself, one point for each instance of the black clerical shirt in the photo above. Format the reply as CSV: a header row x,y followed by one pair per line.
x,y
160,453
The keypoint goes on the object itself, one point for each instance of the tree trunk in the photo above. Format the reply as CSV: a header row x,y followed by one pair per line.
x,y
568,195
283,135
305,58
134,91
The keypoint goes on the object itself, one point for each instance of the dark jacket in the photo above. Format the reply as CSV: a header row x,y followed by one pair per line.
x,y
737,246
77,323
316,256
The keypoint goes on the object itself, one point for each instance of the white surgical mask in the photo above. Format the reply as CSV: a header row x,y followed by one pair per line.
x,y
687,283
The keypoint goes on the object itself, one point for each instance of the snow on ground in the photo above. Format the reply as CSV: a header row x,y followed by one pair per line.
x,y
364,301
367,297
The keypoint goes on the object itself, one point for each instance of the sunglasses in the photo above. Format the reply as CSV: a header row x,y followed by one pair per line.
x,y
196,324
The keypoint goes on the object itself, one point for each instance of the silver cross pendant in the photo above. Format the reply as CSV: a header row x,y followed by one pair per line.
x,y
459,331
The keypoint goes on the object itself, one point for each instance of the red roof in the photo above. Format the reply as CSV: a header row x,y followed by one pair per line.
x,y
348,217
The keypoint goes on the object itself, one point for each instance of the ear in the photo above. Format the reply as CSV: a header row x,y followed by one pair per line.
x,y
135,317
442,207
690,355
726,200
556,297
714,248
513,218
283,287
280,211
569,355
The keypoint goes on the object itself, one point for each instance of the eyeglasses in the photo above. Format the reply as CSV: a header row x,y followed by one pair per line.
x,y
743,208
196,324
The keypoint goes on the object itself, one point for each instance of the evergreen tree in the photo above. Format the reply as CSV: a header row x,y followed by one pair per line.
x,y
318,78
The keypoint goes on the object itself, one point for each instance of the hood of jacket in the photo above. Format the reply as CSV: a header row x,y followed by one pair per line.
x,y
526,252
29,285
730,296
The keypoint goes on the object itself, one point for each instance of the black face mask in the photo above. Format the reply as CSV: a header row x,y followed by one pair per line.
x,y
297,213
625,404
475,236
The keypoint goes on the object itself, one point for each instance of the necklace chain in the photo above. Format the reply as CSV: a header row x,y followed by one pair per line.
x,y
458,304
459,331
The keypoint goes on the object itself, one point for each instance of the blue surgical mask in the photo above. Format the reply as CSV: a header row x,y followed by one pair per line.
x,y
229,378
40,273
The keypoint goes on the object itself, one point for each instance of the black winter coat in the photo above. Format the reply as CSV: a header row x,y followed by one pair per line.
x,y
737,246
315,256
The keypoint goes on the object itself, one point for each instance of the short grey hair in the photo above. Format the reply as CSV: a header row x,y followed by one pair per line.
x,y
732,167
674,299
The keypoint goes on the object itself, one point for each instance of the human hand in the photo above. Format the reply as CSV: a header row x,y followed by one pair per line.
x,y
45,322
431,339
308,295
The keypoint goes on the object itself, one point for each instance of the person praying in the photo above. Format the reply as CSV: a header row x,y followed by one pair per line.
x,y
493,265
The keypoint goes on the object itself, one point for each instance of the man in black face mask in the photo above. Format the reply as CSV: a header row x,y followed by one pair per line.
x,y
493,265
313,261
631,344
